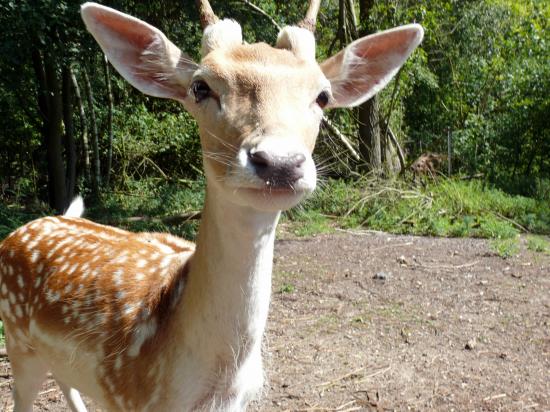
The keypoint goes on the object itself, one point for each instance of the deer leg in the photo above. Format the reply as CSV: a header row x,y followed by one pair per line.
x,y
73,398
29,372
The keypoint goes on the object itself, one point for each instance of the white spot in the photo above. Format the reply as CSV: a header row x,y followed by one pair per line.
x,y
39,268
11,253
10,270
25,238
118,362
72,269
140,276
4,289
141,263
53,296
68,288
35,256
37,282
18,311
64,309
117,277
129,309
21,297
20,281
5,307
120,294
144,331
166,262
12,298
119,401
121,259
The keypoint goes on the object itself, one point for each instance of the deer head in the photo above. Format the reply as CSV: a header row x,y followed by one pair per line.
x,y
258,106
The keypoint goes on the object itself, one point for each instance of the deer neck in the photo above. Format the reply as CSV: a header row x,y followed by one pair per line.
x,y
230,276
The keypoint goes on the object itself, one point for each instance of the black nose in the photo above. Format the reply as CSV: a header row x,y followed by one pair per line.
x,y
278,171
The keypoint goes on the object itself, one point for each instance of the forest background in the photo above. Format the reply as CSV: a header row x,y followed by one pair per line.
x,y
474,95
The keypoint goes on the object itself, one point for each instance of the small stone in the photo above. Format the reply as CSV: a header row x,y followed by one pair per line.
x,y
471,344
381,276
402,260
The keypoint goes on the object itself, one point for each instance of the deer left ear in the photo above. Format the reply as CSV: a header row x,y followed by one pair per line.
x,y
364,67
140,52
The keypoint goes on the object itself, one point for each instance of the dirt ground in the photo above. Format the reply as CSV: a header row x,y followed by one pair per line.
x,y
366,321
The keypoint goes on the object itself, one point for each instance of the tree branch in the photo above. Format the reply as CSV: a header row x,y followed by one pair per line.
x,y
262,12
330,126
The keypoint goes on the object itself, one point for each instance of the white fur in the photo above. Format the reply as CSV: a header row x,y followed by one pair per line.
x,y
298,40
222,34
76,208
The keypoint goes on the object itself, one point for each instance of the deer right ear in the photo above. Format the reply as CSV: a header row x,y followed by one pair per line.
x,y
364,67
141,53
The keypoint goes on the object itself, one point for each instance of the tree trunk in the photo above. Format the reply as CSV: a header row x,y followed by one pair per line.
x,y
96,176
109,121
51,109
84,128
70,147
369,116
369,134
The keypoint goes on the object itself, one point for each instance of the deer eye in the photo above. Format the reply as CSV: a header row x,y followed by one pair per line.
x,y
323,99
200,90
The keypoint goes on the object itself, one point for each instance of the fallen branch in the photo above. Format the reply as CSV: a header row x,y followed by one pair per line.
x,y
167,220
400,154
330,126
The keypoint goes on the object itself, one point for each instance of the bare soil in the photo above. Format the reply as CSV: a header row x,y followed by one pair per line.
x,y
372,321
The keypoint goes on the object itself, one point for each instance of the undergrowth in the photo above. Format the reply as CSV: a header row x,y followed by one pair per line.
x,y
451,208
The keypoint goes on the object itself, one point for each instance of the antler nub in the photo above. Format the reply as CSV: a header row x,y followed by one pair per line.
x,y
310,21
207,16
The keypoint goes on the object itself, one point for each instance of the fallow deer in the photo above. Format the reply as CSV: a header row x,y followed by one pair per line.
x,y
151,322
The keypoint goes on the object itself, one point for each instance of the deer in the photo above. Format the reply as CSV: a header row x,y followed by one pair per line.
x,y
150,321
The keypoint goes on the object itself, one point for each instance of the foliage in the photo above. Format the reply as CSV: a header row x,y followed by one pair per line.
x,y
505,248
444,208
482,71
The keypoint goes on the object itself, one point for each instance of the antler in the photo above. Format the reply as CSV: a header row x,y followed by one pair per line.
x,y
206,13
310,20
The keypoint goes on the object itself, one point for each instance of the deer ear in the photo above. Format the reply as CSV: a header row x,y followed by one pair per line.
x,y
364,67
141,53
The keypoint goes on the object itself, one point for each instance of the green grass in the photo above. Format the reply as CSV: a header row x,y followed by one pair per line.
x,y
450,208
538,244
506,248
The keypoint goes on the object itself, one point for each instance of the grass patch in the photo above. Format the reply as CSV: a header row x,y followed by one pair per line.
x,y
144,204
450,208
538,244
505,248
287,288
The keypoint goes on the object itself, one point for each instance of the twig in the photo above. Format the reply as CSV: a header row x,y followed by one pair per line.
x,y
339,378
392,245
400,153
329,125
493,397
262,12
513,222
47,391
168,220
451,267
372,375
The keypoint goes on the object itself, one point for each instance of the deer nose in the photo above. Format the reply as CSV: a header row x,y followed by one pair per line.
x,y
277,171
